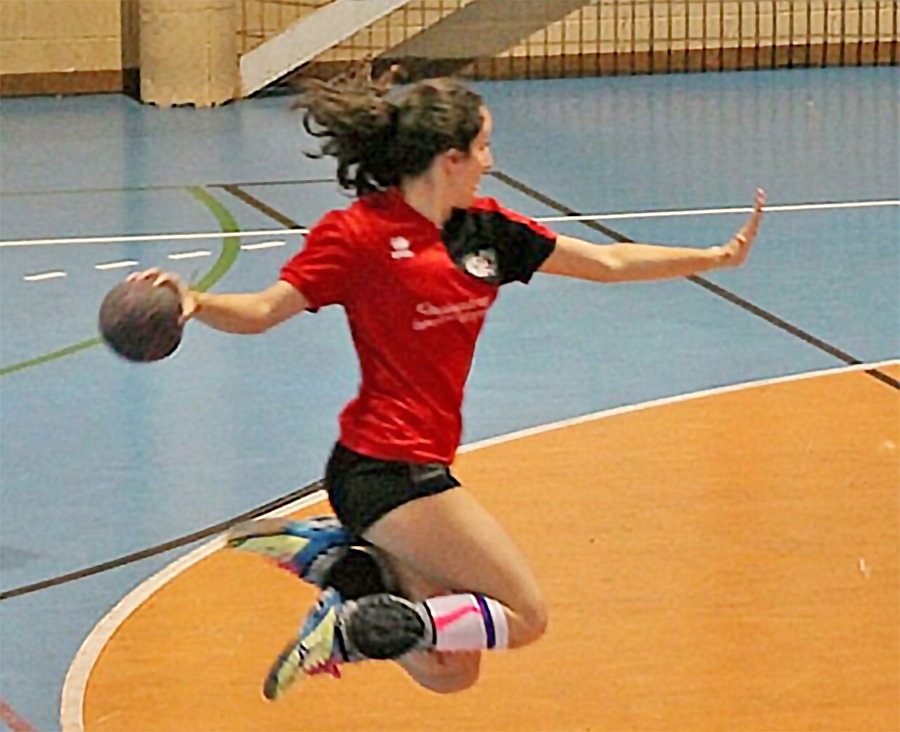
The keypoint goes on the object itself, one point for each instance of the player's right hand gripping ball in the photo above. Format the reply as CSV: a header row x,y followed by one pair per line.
x,y
141,322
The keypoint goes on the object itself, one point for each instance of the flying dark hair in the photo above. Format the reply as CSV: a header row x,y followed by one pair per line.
x,y
381,133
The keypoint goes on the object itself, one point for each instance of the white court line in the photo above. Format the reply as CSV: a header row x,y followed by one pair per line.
x,y
151,237
191,255
117,265
75,684
133,262
44,276
717,211
263,245
582,217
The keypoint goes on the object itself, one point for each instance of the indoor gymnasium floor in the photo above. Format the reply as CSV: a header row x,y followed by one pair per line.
x,y
703,472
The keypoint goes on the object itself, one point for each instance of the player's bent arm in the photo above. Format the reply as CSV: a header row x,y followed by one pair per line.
x,y
248,313
629,262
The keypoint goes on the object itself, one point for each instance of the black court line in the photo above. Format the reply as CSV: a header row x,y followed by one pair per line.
x,y
234,190
265,208
164,547
178,187
706,284
310,181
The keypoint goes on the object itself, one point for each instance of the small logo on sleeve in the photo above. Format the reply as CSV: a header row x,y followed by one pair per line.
x,y
400,248
481,264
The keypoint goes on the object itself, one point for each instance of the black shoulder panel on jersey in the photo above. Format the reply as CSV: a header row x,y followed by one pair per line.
x,y
494,248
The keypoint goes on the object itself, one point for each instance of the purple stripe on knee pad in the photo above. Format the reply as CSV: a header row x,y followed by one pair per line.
x,y
489,630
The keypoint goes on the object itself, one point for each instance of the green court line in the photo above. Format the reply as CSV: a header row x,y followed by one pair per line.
x,y
230,250
232,245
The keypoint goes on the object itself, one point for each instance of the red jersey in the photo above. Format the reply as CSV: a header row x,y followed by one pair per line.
x,y
416,297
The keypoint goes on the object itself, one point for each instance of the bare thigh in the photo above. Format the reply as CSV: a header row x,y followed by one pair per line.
x,y
450,541
439,672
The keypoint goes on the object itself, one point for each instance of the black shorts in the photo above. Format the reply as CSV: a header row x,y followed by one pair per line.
x,y
363,489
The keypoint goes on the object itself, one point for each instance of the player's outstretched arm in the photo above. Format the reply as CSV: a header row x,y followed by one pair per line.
x,y
252,312
629,262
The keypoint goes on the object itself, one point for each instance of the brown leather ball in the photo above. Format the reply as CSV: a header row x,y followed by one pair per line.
x,y
141,322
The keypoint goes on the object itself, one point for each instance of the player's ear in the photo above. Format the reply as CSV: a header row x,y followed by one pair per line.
x,y
456,156
452,158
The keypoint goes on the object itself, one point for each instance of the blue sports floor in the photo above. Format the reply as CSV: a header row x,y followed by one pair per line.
x,y
100,460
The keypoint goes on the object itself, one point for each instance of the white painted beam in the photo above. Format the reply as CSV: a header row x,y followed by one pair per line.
x,y
484,28
308,37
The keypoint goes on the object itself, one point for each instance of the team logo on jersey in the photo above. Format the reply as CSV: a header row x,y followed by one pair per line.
x,y
481,264
400,247
429,315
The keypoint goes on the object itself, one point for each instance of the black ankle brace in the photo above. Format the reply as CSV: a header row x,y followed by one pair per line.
x,y
384,626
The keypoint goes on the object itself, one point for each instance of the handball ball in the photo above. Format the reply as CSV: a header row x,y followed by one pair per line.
x,y
140,322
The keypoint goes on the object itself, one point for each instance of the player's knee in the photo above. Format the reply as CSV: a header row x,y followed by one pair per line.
x,y
452,683
458,673
445,673
534,619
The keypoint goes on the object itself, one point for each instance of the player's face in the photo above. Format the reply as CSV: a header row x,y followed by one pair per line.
x,y
474,164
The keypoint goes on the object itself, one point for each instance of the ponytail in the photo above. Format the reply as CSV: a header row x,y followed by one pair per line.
x,y
381,133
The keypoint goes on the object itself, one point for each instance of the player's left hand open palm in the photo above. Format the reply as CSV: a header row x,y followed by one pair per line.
x,y
737,249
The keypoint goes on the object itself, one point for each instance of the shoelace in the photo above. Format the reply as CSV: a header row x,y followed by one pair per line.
x,y
330,666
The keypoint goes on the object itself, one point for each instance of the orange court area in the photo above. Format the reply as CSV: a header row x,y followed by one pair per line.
x,y
722,562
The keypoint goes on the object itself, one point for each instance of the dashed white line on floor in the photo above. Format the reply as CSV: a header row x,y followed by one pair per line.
x,y
126,263
116,265
44,276
191,255
263,245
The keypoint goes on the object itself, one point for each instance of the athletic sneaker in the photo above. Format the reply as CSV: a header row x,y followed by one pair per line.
x,y
377,626
308,549
317,649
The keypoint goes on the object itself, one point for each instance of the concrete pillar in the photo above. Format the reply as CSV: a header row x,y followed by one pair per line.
x,y
189,52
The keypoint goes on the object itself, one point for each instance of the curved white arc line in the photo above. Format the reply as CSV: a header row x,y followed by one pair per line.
x,y
665,401
75,684
71,713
